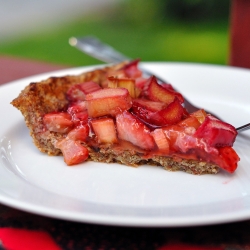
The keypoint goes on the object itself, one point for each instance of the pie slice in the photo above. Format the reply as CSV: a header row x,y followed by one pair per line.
x,y
114,114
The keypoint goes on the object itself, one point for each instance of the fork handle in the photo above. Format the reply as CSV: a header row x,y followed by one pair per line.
x,y
103,52
243,128
97,49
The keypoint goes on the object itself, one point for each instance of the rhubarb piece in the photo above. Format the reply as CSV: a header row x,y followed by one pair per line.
x,y
75,93
161,141
216,133
78,92
200,115
130,129
171,114
131,69
140,83
168,86
146,111
149,105
158,113
58,122
190,121
104,129
89,87
172,133
108,101
155,92
73,152
127,83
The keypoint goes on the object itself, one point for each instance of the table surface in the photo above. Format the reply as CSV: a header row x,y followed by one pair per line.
x,y
73,235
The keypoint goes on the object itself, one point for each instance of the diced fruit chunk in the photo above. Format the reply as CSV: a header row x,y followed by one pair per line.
x,y
73,152
77,107
127,83
78,112
172,133
89,87
58,122
80,118
131,69
172,113
190,121
216,133
161,140
75,93
228,159
109,101
78,92
104,129
130,129
200,115
155,92
149,105
79,133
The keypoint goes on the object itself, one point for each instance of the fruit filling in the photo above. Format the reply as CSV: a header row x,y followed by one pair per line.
x,y
147,115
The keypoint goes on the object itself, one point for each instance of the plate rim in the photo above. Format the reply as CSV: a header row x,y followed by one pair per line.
x,y
121,222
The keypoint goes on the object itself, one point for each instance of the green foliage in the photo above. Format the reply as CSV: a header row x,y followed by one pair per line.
x,y
201,10
135,29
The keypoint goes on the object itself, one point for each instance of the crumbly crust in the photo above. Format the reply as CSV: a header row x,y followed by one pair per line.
x,y
40,98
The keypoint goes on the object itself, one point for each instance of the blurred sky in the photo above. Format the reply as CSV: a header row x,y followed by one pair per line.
x,y
19,17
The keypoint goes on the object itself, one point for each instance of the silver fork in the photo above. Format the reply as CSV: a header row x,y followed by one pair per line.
x,y
103,52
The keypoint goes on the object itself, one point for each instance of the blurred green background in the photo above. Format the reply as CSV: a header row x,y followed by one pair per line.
x,y
153,30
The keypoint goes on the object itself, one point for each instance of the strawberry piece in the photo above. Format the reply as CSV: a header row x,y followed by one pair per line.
x,y
228,159
131,129
78,92
79,112
58,122
110,101
161,141
105,131
216,133
73,152
156,92
79,133
80,118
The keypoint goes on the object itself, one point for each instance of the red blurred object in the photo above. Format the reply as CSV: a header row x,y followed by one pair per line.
x,y
22,239
240,34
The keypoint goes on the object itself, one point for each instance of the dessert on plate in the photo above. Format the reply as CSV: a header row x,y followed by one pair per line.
x,y
114,114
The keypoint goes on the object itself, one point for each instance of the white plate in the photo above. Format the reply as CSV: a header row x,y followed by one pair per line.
x,y
114,194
